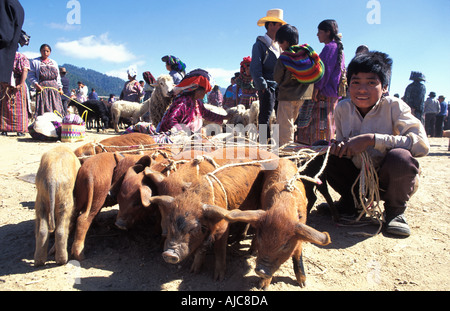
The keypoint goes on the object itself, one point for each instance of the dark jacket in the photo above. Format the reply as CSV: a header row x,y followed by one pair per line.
x,y
262,65
11,21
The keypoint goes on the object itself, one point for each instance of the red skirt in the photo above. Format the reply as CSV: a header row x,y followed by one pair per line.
x,y
14,111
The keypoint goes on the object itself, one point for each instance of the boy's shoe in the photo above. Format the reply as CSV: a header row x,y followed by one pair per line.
x,y
398,226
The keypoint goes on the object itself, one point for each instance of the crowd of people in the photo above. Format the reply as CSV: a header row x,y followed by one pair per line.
x,y
315,97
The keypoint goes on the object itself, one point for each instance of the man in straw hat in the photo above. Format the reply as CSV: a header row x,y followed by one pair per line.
x,y
265,53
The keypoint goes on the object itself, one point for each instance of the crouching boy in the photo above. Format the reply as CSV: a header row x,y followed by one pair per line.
x,y
385,128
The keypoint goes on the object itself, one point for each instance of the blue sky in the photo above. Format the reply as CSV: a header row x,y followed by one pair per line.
x,y
216,35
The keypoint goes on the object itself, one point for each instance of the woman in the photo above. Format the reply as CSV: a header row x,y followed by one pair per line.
x,y
215,97
245,83
14,100
175,67
187,109
132,90
320,121
45,78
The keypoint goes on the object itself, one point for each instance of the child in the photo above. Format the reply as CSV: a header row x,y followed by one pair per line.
x,y
295,73
386,129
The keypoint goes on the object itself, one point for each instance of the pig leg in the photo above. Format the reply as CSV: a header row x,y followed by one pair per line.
x,y
199,258
84,221
265,282
62,231
220,253
41,234
299,270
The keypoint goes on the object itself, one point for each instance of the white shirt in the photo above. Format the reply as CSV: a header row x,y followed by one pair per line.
x,y
392,123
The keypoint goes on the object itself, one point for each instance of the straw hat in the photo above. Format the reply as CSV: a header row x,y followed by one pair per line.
x,y
274,15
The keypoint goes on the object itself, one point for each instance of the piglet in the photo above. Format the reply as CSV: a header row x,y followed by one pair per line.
x,y
55,181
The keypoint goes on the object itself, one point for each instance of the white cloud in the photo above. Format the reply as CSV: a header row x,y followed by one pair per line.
x,y
93,47
122,72
221,76
30,55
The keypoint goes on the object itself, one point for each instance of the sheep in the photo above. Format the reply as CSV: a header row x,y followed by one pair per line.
x,y
126,109
240,115
161,98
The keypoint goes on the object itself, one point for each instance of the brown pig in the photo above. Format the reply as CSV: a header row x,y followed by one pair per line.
x,y
237,183
91,190
169,176
122,143
280,223
55,182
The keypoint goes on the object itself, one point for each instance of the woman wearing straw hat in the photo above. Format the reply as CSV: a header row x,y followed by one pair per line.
x,y
265,53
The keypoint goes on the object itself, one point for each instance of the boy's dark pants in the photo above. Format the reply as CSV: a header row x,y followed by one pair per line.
x,y
397,180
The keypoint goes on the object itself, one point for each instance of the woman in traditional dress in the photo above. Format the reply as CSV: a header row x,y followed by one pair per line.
x,y
132,90
14,100
45,78
245,83
187,109
176,68
320,117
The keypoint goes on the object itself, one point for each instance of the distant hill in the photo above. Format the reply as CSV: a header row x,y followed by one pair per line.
x,y
103,84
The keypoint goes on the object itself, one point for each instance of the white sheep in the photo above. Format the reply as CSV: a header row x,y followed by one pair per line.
x,y
134,111
130,110
161,98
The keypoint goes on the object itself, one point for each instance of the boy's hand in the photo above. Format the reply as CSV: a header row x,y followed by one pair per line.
x,y
353,146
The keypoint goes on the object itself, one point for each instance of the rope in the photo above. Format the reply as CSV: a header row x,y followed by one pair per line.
x,y
55,89
369,194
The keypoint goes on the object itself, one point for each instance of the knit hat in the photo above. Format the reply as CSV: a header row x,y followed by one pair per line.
x,y
304,63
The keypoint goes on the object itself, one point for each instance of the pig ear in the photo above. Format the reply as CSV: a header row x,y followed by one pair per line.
x,y
235,215
118,157
155,177
146,195
162,200
309,234
144,161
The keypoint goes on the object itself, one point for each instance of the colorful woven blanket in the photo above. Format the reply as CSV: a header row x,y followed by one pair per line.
x,y
304,63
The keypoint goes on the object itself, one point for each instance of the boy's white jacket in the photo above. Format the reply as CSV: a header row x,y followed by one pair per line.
x,y
392,123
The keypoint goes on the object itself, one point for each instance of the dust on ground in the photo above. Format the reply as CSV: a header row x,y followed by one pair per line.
x,y
131,260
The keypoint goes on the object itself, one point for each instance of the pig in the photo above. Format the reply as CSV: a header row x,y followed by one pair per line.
x,y
91,190
55,181
189,231
137,186
97,184
116,143
280,223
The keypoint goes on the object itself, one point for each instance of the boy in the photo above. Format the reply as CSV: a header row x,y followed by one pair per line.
x,y
384,127
293,86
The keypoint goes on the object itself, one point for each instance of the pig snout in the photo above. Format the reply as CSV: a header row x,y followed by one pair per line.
x,y
170,256
121,224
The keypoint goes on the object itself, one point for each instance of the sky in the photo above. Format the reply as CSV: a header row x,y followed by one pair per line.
x,y
110,35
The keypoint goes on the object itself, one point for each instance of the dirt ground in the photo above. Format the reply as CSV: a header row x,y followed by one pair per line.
x,y
132,261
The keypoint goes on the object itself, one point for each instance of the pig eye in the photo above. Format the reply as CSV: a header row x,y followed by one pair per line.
x,y
204,229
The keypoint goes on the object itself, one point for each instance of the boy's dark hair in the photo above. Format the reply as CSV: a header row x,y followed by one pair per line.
x,y
287,33
376,62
